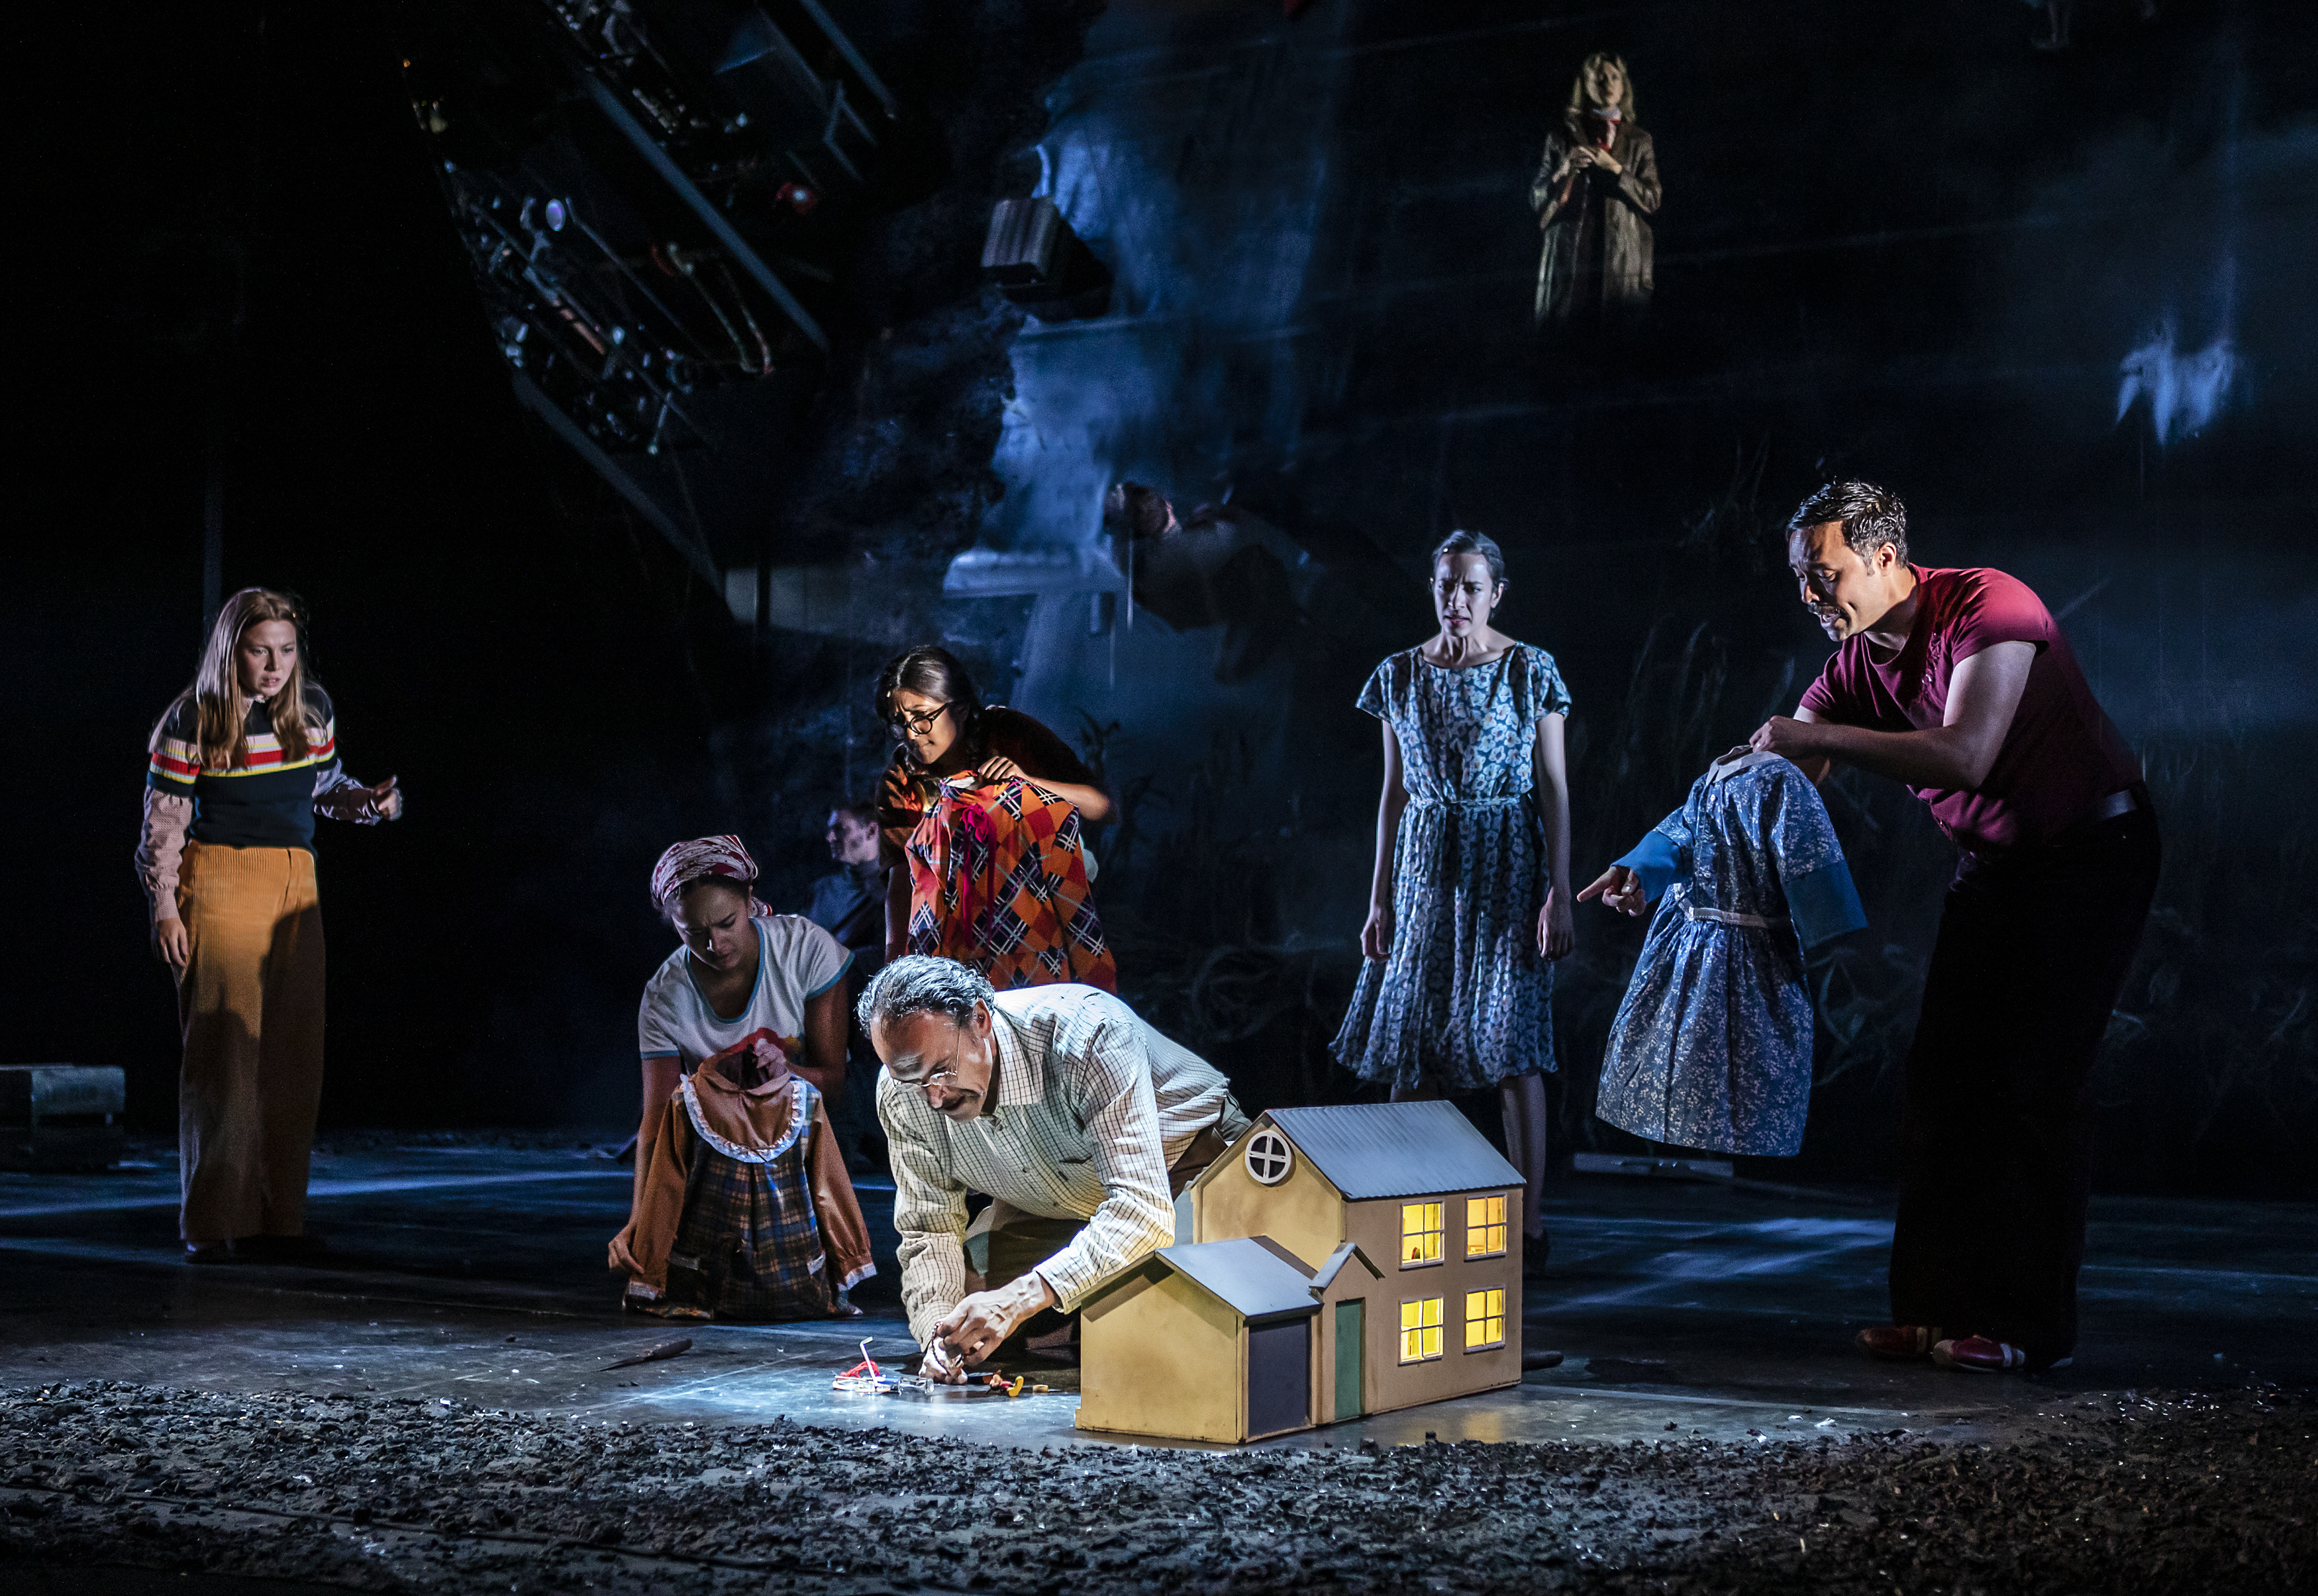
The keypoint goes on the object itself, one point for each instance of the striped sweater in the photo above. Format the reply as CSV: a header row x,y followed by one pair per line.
x,y
267,800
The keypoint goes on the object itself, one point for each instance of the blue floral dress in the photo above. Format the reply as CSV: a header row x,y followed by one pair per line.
x,y
1712,1047
1465,999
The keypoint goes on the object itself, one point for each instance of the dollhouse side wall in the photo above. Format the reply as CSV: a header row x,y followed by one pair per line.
x,y
1163,1358
1391,1384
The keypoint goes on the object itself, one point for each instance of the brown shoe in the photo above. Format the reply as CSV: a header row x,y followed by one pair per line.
x,y
1979,1355
208,1252
1898,1343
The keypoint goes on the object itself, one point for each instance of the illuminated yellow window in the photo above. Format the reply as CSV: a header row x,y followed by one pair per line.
x,y
1485,1318
1421,1230
1420,1327
1485,1225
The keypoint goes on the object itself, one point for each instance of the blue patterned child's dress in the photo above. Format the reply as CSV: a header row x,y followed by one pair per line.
x,y
1465,999
1712,1047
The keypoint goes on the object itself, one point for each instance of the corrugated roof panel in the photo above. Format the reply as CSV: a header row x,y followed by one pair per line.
x,y
1244,1274
1383,1150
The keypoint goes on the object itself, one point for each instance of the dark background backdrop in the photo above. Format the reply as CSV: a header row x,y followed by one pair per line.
x,y
1897,242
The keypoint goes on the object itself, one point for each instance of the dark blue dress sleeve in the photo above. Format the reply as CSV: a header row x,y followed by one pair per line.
x,y
1824,903
1820,898
1656,858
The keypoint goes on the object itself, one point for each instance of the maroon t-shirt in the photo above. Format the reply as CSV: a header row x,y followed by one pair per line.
x,y
2062,755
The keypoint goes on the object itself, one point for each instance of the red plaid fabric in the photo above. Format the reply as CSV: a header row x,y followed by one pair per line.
x,y
998,881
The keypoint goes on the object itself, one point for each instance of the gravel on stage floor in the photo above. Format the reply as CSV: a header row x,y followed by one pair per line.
x,y
2150,1492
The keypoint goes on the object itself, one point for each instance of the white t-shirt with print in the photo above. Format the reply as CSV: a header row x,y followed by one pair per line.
x,y
796,961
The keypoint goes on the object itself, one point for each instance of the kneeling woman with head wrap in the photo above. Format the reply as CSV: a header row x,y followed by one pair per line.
x,y
742,1208
982,814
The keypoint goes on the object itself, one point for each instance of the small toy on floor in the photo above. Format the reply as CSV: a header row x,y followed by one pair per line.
x,y
870,1377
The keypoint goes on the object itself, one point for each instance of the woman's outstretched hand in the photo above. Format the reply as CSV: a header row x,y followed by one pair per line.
x,y
998,767
1557,928
172,945
1619,888
387,799
1376,936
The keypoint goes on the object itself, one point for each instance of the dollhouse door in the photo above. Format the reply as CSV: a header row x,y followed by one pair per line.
x,y
1279,1376
1351,1340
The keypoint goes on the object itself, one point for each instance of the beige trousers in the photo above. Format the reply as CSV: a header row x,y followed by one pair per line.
x,y
250,1002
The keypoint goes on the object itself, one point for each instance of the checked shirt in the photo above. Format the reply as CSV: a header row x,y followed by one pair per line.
x,y
1092,1105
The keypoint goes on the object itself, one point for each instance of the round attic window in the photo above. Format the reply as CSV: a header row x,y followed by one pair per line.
x,y
1268,1158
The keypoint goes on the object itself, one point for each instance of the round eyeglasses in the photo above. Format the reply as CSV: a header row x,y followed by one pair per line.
x,y
917,723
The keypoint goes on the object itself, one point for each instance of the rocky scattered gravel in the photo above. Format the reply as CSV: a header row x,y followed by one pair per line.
x,y
2145,1492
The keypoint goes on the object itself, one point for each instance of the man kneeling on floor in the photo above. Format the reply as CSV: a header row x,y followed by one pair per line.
x,y
1078,1120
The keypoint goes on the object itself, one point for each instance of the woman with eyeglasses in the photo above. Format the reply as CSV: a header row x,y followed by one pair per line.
x,y
974,794
1471,905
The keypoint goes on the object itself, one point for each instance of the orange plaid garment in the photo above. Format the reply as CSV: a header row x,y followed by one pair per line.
x,y
998,881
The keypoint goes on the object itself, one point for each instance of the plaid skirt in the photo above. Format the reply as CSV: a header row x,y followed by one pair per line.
x,y
748,1246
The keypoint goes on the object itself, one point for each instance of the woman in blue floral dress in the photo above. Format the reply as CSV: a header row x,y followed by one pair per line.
x,y
1470,902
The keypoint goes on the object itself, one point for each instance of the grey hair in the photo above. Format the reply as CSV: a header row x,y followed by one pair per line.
x,y
1871,518
1472,542
919,983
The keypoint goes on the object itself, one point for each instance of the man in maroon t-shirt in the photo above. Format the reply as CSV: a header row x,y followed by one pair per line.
x,y
1959,684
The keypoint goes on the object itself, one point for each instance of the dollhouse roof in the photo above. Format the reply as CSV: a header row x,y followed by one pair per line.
x,y
1388,1150
1249,1275
1347,1253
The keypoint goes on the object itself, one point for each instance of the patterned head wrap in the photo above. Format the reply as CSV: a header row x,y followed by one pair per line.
x,y
704,857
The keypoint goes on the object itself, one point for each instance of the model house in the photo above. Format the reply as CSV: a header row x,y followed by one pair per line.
x,y
1413,1186
1229,1340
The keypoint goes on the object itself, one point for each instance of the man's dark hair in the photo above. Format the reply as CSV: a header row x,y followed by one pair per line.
x,y
864,810
1871,517
921,983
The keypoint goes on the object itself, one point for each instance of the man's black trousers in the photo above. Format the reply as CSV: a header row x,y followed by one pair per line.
x,y
1997,1133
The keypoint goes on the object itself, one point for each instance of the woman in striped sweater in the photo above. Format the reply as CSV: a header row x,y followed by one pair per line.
x,y
240,766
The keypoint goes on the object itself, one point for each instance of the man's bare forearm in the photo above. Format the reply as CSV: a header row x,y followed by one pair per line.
x,y
1938,757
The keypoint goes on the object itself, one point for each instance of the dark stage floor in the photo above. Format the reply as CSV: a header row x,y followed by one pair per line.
x,y
431,1410
464,1270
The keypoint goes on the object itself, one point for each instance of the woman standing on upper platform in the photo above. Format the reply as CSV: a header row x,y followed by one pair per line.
x,y
1472,900
982,814
239,767
1596,193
